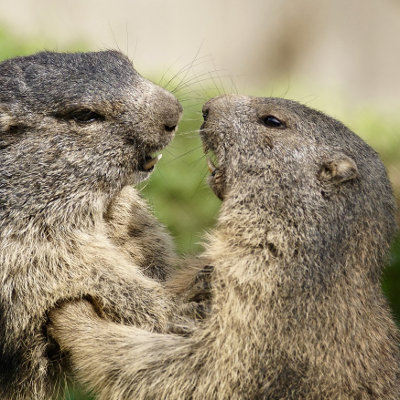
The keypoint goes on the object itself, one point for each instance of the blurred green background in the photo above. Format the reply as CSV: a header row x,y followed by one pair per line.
x,y
178,190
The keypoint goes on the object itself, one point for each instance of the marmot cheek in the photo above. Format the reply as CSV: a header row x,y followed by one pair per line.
x,y
217,183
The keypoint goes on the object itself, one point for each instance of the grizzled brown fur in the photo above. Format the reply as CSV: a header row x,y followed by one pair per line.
x,y
76,130
297,313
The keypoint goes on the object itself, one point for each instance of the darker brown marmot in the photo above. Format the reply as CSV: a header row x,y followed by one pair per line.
x,y
76,130
297,313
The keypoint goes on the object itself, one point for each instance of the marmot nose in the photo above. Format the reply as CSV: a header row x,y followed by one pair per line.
x,y
220,103
169,128
171,112
215,102
205,111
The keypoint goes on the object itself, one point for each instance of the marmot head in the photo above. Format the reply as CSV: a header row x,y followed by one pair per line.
x,y
79,122
291,173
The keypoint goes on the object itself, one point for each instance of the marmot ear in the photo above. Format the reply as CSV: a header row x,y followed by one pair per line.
x,y
338,169
6,119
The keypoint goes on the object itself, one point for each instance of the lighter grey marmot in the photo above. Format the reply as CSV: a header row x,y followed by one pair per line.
x,y
76,131
304,230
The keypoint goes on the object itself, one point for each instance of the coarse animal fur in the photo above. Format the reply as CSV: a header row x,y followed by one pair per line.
x,y
306,222
76,131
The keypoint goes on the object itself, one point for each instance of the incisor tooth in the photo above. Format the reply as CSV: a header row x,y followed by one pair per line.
x,y
151,163
211,166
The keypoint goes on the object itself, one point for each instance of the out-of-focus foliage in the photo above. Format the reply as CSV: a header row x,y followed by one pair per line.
x,y
391,280
12,46
75,393
178,190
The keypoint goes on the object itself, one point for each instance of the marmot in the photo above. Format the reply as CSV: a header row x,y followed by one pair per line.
x,y
76,130
305,226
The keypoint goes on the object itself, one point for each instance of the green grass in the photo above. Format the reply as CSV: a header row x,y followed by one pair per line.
x,y
76,393
12,46
391,280
178,191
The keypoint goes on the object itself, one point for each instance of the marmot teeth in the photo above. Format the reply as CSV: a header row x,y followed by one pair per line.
x,y
152,162
211,167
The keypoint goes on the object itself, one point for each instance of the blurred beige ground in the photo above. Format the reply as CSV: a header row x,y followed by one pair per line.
x,y
349,46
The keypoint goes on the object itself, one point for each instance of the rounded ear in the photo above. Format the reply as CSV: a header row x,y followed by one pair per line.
x,y
338,169
6,119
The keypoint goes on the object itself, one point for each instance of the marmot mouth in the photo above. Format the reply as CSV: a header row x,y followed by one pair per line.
x,y
212,168
216,167
149,162
212,160
217,178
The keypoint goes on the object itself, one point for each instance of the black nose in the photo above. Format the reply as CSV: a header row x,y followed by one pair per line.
x,y
170,114
169,128
205,112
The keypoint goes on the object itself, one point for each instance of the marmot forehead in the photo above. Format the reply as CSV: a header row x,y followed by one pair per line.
x,y
89,63
49,77
244,114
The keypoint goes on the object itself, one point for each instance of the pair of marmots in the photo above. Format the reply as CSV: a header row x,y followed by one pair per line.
x,y
88,284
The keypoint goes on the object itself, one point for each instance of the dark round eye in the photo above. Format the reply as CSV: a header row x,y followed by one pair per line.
x,y
81,116
85,116
272,122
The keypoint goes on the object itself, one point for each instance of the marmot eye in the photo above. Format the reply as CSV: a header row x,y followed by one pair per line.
x,y
85,116
82,116
272,122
